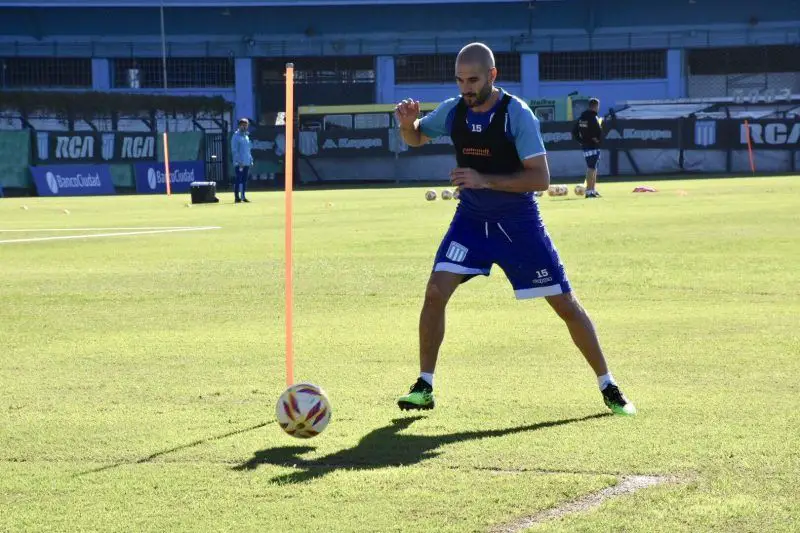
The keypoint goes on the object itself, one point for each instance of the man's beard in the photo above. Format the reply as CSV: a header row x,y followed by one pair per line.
x,y
480,98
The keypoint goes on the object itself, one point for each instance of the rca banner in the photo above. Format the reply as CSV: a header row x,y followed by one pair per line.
x,y
63,147
732,134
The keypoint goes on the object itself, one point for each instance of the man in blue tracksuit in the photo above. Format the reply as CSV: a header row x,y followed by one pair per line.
x,y
242,159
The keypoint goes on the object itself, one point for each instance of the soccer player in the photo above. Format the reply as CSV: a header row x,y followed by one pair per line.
x,y
501,162
588,132
241,147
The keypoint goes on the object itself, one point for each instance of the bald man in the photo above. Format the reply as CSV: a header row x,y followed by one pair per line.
x,y
501,162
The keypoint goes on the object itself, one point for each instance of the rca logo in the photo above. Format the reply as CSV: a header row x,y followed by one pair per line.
x,y
777,133
75,147
138,147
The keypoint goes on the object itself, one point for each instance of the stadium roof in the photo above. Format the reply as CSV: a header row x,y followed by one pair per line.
x,y
232,3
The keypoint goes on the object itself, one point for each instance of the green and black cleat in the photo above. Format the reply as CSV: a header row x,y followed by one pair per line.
x,y
617,402
420,397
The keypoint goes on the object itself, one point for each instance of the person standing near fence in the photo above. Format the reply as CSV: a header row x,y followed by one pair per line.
x,y
589,133
241,147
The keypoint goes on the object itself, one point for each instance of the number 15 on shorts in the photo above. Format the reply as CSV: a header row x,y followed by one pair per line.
x,y
541,273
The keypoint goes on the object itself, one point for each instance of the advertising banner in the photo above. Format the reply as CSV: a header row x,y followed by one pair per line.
x,y
72,180
150,176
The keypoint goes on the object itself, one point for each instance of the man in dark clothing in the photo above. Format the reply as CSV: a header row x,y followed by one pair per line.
x,y
588,132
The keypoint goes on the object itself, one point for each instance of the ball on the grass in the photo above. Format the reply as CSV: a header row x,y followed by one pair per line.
x,y
456,194
303,410
447,194
430,195
552,190
580,190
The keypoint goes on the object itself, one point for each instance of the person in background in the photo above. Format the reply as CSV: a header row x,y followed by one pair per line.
x,y
589,133
241,147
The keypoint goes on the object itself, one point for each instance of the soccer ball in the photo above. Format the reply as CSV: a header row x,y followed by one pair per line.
x,y
456,194
430,195
303,410
563,190
552,190
580,190
446,194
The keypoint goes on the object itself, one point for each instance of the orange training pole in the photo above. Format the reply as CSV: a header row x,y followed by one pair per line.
x,y
166,165
289,174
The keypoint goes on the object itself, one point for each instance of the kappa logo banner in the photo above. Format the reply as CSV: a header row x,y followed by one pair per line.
x,y
72,180
639,134
268,143
92,147
558,136
349,143
150,176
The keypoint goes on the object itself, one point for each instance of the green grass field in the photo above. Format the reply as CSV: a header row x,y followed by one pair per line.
x,y
138,374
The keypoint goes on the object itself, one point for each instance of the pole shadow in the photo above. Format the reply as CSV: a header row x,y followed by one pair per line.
x,y
381,448
167,451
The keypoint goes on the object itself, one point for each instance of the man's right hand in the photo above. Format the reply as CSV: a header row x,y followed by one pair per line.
x,y
407,112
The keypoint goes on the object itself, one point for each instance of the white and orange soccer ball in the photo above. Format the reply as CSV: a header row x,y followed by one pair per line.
x,y
303,410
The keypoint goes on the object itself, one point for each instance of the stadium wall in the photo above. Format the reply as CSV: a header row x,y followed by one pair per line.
x,y
432,18
245,34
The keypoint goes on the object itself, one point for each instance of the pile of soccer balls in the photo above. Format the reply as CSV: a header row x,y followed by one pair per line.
x,y
447,194
553,190
563,190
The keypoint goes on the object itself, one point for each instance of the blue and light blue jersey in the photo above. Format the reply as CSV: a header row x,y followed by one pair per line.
x,y
522,128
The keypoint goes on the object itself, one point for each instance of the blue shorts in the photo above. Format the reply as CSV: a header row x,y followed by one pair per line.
x,y
523,250
591,157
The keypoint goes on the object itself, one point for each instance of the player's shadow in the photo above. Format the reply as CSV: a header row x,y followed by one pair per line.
x,y
381,448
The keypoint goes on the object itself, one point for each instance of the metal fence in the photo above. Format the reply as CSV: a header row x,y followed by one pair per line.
x,y
757,73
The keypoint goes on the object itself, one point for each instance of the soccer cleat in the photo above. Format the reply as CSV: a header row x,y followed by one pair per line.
x,y
420,397
617,402
592,194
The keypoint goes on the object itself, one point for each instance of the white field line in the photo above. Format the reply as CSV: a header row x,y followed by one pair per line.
x,y
97,235
627,485
93,229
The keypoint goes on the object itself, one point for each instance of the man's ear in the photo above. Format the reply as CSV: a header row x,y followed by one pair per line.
x,y
492,74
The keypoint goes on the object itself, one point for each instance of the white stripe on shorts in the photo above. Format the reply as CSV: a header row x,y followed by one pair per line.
x,y
538,292
458,269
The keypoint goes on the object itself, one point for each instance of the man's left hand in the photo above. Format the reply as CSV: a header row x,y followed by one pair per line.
x,y
468,178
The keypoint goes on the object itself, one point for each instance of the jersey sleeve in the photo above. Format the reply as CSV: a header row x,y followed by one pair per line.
x,y
526,130
437,123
